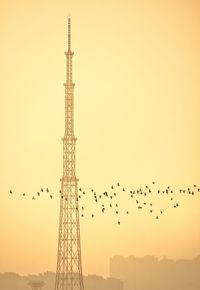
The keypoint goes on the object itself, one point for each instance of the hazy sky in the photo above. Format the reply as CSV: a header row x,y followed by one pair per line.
x,y
136,69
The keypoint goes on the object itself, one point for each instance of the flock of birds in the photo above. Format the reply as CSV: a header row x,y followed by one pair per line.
x,y
111,199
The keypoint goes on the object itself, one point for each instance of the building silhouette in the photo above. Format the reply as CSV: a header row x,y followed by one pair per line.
x,y
36,285
12,281
149,273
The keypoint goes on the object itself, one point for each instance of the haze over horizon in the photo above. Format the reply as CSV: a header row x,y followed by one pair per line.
x,y
136,70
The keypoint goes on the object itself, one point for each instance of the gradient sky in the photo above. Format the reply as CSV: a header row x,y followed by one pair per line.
x,y
136,69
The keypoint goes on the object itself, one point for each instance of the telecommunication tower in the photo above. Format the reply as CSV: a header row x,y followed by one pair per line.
x,y
69,267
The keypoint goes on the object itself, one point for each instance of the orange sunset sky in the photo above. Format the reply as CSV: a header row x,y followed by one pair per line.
x,y
136,70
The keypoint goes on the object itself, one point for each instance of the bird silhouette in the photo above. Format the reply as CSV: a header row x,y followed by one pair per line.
x,y
116,197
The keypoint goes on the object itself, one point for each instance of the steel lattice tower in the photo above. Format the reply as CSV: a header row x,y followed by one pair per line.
x,y
69,267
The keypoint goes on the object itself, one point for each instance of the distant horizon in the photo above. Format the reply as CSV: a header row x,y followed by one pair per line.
x,y
100,275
